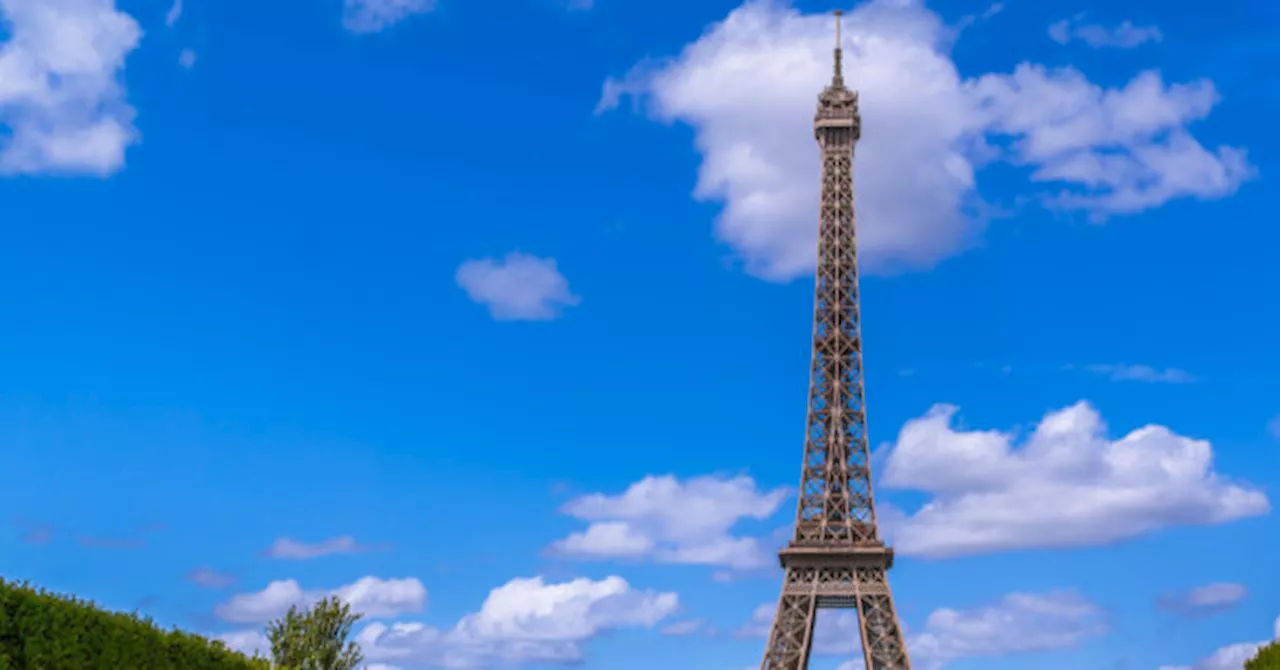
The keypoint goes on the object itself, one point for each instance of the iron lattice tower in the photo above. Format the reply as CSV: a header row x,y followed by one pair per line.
x,y
836,558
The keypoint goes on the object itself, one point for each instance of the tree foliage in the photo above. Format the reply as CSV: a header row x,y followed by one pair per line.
x,y
42,630
1268,658
315,638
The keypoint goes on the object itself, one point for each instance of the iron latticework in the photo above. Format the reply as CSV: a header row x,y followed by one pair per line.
x,y
836,558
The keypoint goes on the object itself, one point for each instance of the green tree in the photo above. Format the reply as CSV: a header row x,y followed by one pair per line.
x,y
315,638
1268,658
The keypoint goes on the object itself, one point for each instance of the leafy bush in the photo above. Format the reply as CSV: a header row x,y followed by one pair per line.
x,y
43,631
1268,658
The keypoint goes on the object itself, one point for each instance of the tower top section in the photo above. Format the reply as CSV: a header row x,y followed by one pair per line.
x,y
837,105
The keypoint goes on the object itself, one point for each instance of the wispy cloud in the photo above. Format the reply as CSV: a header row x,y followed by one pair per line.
x,y
34,532
371,16
289,549
131,541
175,12
1203,600
210,578
1126,35
1142,373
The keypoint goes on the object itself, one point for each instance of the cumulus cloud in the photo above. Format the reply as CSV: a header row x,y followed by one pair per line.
x,y
1230,657
371,16
290,549
187,58
371,596
1203,600
62,105
526,621
1143,373
1066,485
748,85
672,521
1019,623
1123,36
519,287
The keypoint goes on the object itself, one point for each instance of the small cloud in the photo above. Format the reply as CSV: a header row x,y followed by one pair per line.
x,y
1273,426
1124,36
519,287
210,579
133,541
34,532
1203,600
109,542
1143,373
371,596
682,628
668,520
175,12
38,536
187,59
971,19
371,16
289,549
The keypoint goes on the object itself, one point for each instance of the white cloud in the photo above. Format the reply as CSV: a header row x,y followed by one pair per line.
x,y
210,578
1143,373
1018,623
748,85
370,596
523,621
1230,657
290,549
1123,36
371,16
519,287
684,627
249,642
1273,426
1066,485
175,12
62,103
1206,599
673,521
187,58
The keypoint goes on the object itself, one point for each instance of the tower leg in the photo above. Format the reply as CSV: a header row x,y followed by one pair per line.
x,y
882,645
865,589
791,636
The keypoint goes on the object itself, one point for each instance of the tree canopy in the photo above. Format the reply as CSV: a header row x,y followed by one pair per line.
x,y
315,638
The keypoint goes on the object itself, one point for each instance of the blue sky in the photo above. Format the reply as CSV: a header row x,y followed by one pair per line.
x,y
495,319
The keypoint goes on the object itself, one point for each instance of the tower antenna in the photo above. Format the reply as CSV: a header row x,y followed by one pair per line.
x,y
838,75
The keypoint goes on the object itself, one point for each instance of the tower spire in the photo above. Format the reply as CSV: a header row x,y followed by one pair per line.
x,y
837,77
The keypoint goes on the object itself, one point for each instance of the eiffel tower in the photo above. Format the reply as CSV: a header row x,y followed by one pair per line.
x,y
836,558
